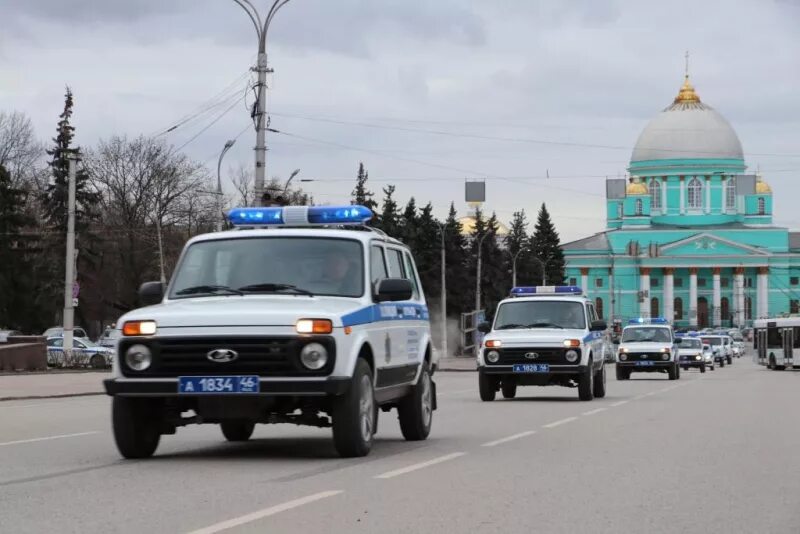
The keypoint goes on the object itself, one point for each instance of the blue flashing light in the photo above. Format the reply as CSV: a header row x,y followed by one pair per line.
x,y
650,320
299,215
531,291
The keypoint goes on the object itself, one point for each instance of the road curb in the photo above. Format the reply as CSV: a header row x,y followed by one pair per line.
x,y
59,396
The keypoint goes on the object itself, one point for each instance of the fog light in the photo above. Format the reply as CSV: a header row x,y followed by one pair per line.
x,y
314,356
572,356
623,356
493,356
138,357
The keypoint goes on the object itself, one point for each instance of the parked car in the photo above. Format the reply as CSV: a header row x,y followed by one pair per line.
x,y
58,331
109,338
85,352
5,334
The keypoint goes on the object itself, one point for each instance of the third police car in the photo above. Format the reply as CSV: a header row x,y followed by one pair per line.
x,y
649,346
543,336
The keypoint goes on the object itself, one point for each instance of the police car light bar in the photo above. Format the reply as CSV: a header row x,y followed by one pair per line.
x,y
299,215
533,291
648,320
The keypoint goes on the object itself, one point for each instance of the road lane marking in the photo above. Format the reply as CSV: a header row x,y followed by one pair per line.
x,y
592,412
559,422
421,465
650,394
619,403
266,512
48,438
509,438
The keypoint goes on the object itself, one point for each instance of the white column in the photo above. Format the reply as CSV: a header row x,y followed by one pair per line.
x,y
664,185
693,297
644,287
763,292
708,195
738,293
609,311
669,296
717,299
683,195
585,280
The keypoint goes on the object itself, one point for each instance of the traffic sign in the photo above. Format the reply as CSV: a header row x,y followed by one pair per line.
x,y
74,302
76,289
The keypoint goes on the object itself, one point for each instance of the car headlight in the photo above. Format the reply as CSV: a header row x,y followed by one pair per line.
x,y
697,357
138,357
493,356
572,356
665,356
314,356
623,356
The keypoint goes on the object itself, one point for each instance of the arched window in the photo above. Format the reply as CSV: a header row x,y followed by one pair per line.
x,y
762,206
655,194
678,308
730,193
695,193
725,309
654,307
598,307
748,308
639,206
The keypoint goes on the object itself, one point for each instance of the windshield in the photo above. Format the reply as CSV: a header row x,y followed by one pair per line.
x,y
691,343
712,341
286,265
645,334
540,314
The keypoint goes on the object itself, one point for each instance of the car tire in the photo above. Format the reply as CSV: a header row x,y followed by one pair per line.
x,y
623,374
353,414
722,363
415,411
780,367
509,390
136,424
97,361
729,360
586,383
673,372
703,368
487,386
600,383
237,430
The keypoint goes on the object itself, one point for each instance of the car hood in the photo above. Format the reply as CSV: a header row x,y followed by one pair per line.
x,y
248,310
535,336
645,347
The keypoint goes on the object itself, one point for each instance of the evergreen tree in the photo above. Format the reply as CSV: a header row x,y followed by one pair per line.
x,y
408,225
389,220
459,291
427,252
16,283
495,278
361,195
546,246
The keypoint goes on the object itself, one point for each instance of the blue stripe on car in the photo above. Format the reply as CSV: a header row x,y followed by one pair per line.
x,y
397,311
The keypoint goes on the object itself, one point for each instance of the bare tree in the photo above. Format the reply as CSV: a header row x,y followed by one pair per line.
x,y
20,151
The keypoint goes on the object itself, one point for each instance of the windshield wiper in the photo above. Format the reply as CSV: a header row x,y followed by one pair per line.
x,y
194,290
545,325
274,288
510,326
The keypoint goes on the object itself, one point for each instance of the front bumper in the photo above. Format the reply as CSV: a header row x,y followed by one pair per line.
x,y
554,370
693,362
168,387
648,365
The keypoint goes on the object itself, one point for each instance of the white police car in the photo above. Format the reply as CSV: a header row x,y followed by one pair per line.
x,y
543,336
648,346
301,315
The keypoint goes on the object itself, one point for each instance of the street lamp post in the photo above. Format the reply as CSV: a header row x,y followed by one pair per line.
x,y
514,266
444,293
228,145
544,269
478,275
262,69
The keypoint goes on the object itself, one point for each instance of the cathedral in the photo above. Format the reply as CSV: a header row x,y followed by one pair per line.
x,y
689,236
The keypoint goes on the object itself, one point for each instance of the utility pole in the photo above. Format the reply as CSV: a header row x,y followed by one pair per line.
x,y
262,69
478,275
160,244
69,267
444,294
514,267
228,145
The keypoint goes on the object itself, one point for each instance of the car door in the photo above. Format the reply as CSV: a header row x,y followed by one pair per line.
x,y
402,313
596,337
418,329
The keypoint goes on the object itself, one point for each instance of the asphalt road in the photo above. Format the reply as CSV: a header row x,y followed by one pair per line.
x,y
718,452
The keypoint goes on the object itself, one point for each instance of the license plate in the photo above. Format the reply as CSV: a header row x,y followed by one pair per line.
x,y
531,368
644,364
218,384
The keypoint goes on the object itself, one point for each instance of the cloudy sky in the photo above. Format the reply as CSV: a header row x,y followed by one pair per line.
x,y
425,93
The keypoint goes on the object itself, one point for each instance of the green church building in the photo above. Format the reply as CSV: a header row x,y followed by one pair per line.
x,y
689,235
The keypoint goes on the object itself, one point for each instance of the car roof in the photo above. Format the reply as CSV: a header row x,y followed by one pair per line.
x,y
365,234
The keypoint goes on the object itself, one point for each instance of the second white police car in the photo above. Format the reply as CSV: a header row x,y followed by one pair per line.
x,y
648,346
543,336
303,315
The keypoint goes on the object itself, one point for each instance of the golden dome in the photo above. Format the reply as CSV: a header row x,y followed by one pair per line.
x,y
762,187
468,226
687,94
636,187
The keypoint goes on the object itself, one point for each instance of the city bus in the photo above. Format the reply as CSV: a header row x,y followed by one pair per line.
x,y
775,340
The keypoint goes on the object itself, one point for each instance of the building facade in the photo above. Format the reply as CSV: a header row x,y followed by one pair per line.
x,y
689,235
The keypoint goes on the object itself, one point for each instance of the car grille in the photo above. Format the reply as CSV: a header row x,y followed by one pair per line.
x,y
642,356
263,356
553,356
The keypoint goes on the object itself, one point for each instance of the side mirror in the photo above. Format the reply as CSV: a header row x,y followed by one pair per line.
x,y
678,340
598,326
151,293
484,327
393,290
616,341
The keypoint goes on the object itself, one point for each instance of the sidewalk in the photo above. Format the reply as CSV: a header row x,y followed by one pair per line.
x,y
50,385
458,364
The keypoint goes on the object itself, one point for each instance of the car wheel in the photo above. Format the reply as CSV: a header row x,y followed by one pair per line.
x,y
600,383
237,430
722,363
780,367
703,368
136,424
622,374
509,390
97,362
586,383
487,386
729,360
353,414
673,372
415,411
